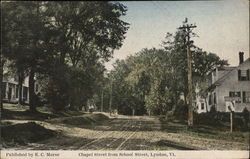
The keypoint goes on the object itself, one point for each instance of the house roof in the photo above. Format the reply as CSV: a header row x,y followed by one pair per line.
x,y
230,70
227,68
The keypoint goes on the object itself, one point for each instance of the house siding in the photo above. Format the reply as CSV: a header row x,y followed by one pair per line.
x,y
231,83
222,81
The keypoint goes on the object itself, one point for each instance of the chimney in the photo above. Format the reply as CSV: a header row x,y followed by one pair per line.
x,y
241,57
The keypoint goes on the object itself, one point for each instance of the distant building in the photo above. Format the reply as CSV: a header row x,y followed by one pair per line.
x,y
200,103
228,87
11,89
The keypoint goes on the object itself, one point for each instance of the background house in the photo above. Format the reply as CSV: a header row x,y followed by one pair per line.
x,y
200,103
11,89
229,86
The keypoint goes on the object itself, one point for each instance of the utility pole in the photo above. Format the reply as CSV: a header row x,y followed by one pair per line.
x,y
102,102
110,100
187,30
1,80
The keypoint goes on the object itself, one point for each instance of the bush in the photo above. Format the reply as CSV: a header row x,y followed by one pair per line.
x,y
181,111
218,118
170,115
207,118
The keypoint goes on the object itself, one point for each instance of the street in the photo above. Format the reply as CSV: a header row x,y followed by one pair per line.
x,y
128,133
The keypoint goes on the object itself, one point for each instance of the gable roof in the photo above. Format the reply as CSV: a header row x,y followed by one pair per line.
x,y
230,70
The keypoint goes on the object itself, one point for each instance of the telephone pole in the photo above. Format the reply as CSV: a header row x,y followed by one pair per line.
x,y
110,99
187,30
102,101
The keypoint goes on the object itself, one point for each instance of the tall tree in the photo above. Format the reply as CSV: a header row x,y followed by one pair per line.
x,y
202,63
75,35
90,31
24,27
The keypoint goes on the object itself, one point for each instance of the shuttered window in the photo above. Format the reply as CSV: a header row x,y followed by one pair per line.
x,y
248,76
202,106
234,94
246,97
243,75
214,98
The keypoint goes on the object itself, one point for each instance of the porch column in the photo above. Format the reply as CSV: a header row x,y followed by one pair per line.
x,y
28,95
22,93
6,90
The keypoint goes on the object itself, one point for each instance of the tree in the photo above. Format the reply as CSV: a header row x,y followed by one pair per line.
x,y
74,35
202,63
24,31
2,61
155,79
140,83
90,31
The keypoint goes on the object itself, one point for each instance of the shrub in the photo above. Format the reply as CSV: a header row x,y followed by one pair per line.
x,y
181,111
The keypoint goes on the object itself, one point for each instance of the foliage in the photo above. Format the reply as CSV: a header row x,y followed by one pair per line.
x,y
155,79
138,82
66,43
57,88
202,62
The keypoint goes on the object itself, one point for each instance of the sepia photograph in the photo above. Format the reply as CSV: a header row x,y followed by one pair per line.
x,y
125,79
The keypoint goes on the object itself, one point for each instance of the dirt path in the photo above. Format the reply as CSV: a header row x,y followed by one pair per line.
x,y
127,133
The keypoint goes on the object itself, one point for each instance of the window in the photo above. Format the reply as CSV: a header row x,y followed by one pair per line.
x,y
235,94
25,93
246,97
210,99
243,75
202,106
4,89
214,98
16,91
36,85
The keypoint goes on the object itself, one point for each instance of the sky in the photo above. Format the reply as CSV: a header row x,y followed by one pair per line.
x,y
222,26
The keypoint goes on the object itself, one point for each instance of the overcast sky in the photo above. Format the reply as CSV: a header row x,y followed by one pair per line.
x,y
222,26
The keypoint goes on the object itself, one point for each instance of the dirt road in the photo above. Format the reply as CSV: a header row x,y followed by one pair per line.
x,y
128,133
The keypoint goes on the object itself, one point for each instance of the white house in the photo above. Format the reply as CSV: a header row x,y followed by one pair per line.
x,y
11,89
229,87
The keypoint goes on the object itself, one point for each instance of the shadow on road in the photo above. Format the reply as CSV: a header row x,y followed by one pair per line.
x,y
119,124
166,144
108,143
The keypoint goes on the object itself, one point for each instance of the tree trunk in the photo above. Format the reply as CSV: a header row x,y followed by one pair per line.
x,y
1,79
175,98
20,88
31,91
185,97
73,104
85,106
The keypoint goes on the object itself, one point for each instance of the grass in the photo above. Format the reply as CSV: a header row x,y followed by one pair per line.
x,y
24,133
45,113
205,130
14,133
81,120
21,112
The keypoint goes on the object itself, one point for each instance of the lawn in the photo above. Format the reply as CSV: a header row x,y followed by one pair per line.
x,y
220,130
